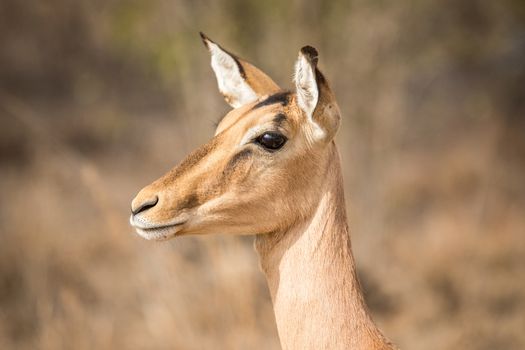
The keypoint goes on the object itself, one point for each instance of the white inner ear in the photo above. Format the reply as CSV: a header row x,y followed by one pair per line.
x,y
231,83
306,85
307,92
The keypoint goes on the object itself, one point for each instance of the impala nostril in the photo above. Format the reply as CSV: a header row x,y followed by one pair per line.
x,y
145,205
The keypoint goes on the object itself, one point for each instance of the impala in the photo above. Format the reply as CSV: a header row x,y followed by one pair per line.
x,y
272,170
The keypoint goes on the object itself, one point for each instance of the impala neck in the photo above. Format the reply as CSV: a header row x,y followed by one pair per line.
x,y
312,278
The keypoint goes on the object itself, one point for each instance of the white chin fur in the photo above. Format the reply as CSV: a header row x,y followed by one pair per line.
x,y
160,234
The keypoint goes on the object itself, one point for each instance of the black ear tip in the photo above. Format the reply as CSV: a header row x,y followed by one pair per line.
x,y
205,39
310,53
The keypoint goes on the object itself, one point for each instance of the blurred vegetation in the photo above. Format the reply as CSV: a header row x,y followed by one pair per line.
x,y
98,98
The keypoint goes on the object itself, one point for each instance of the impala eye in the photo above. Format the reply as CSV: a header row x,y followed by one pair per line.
x,y
271,141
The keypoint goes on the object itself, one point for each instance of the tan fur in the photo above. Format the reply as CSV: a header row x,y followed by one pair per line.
x,y
312,277
292,199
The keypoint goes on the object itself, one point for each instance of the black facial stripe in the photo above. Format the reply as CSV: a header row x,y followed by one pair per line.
x,y
280,97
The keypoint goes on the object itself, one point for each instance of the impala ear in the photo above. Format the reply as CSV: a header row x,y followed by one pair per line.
x,y
315,97
239,81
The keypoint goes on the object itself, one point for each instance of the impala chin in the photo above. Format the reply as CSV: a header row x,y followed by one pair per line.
x,y
156,232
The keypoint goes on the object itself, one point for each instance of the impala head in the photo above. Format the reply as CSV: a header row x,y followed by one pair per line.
x,y
262,169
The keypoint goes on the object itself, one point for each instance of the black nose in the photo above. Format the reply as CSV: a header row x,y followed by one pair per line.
x,y
150,203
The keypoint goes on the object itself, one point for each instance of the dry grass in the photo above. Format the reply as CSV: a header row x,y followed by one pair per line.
x,y
432,145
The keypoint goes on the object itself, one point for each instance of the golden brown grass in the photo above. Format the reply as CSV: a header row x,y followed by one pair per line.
x,y
432,146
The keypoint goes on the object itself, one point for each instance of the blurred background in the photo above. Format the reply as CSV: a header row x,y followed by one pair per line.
x,y
99,98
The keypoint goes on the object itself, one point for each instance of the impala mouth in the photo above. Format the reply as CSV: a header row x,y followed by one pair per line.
x,y
156,233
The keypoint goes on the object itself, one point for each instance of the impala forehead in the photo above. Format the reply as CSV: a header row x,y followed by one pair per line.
x,y
258,112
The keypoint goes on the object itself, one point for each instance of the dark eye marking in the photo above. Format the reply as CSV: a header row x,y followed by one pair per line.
x,y
271,140
236,159
241,156
279,119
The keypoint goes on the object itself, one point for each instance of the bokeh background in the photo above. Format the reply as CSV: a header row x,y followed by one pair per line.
x,y
99,98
